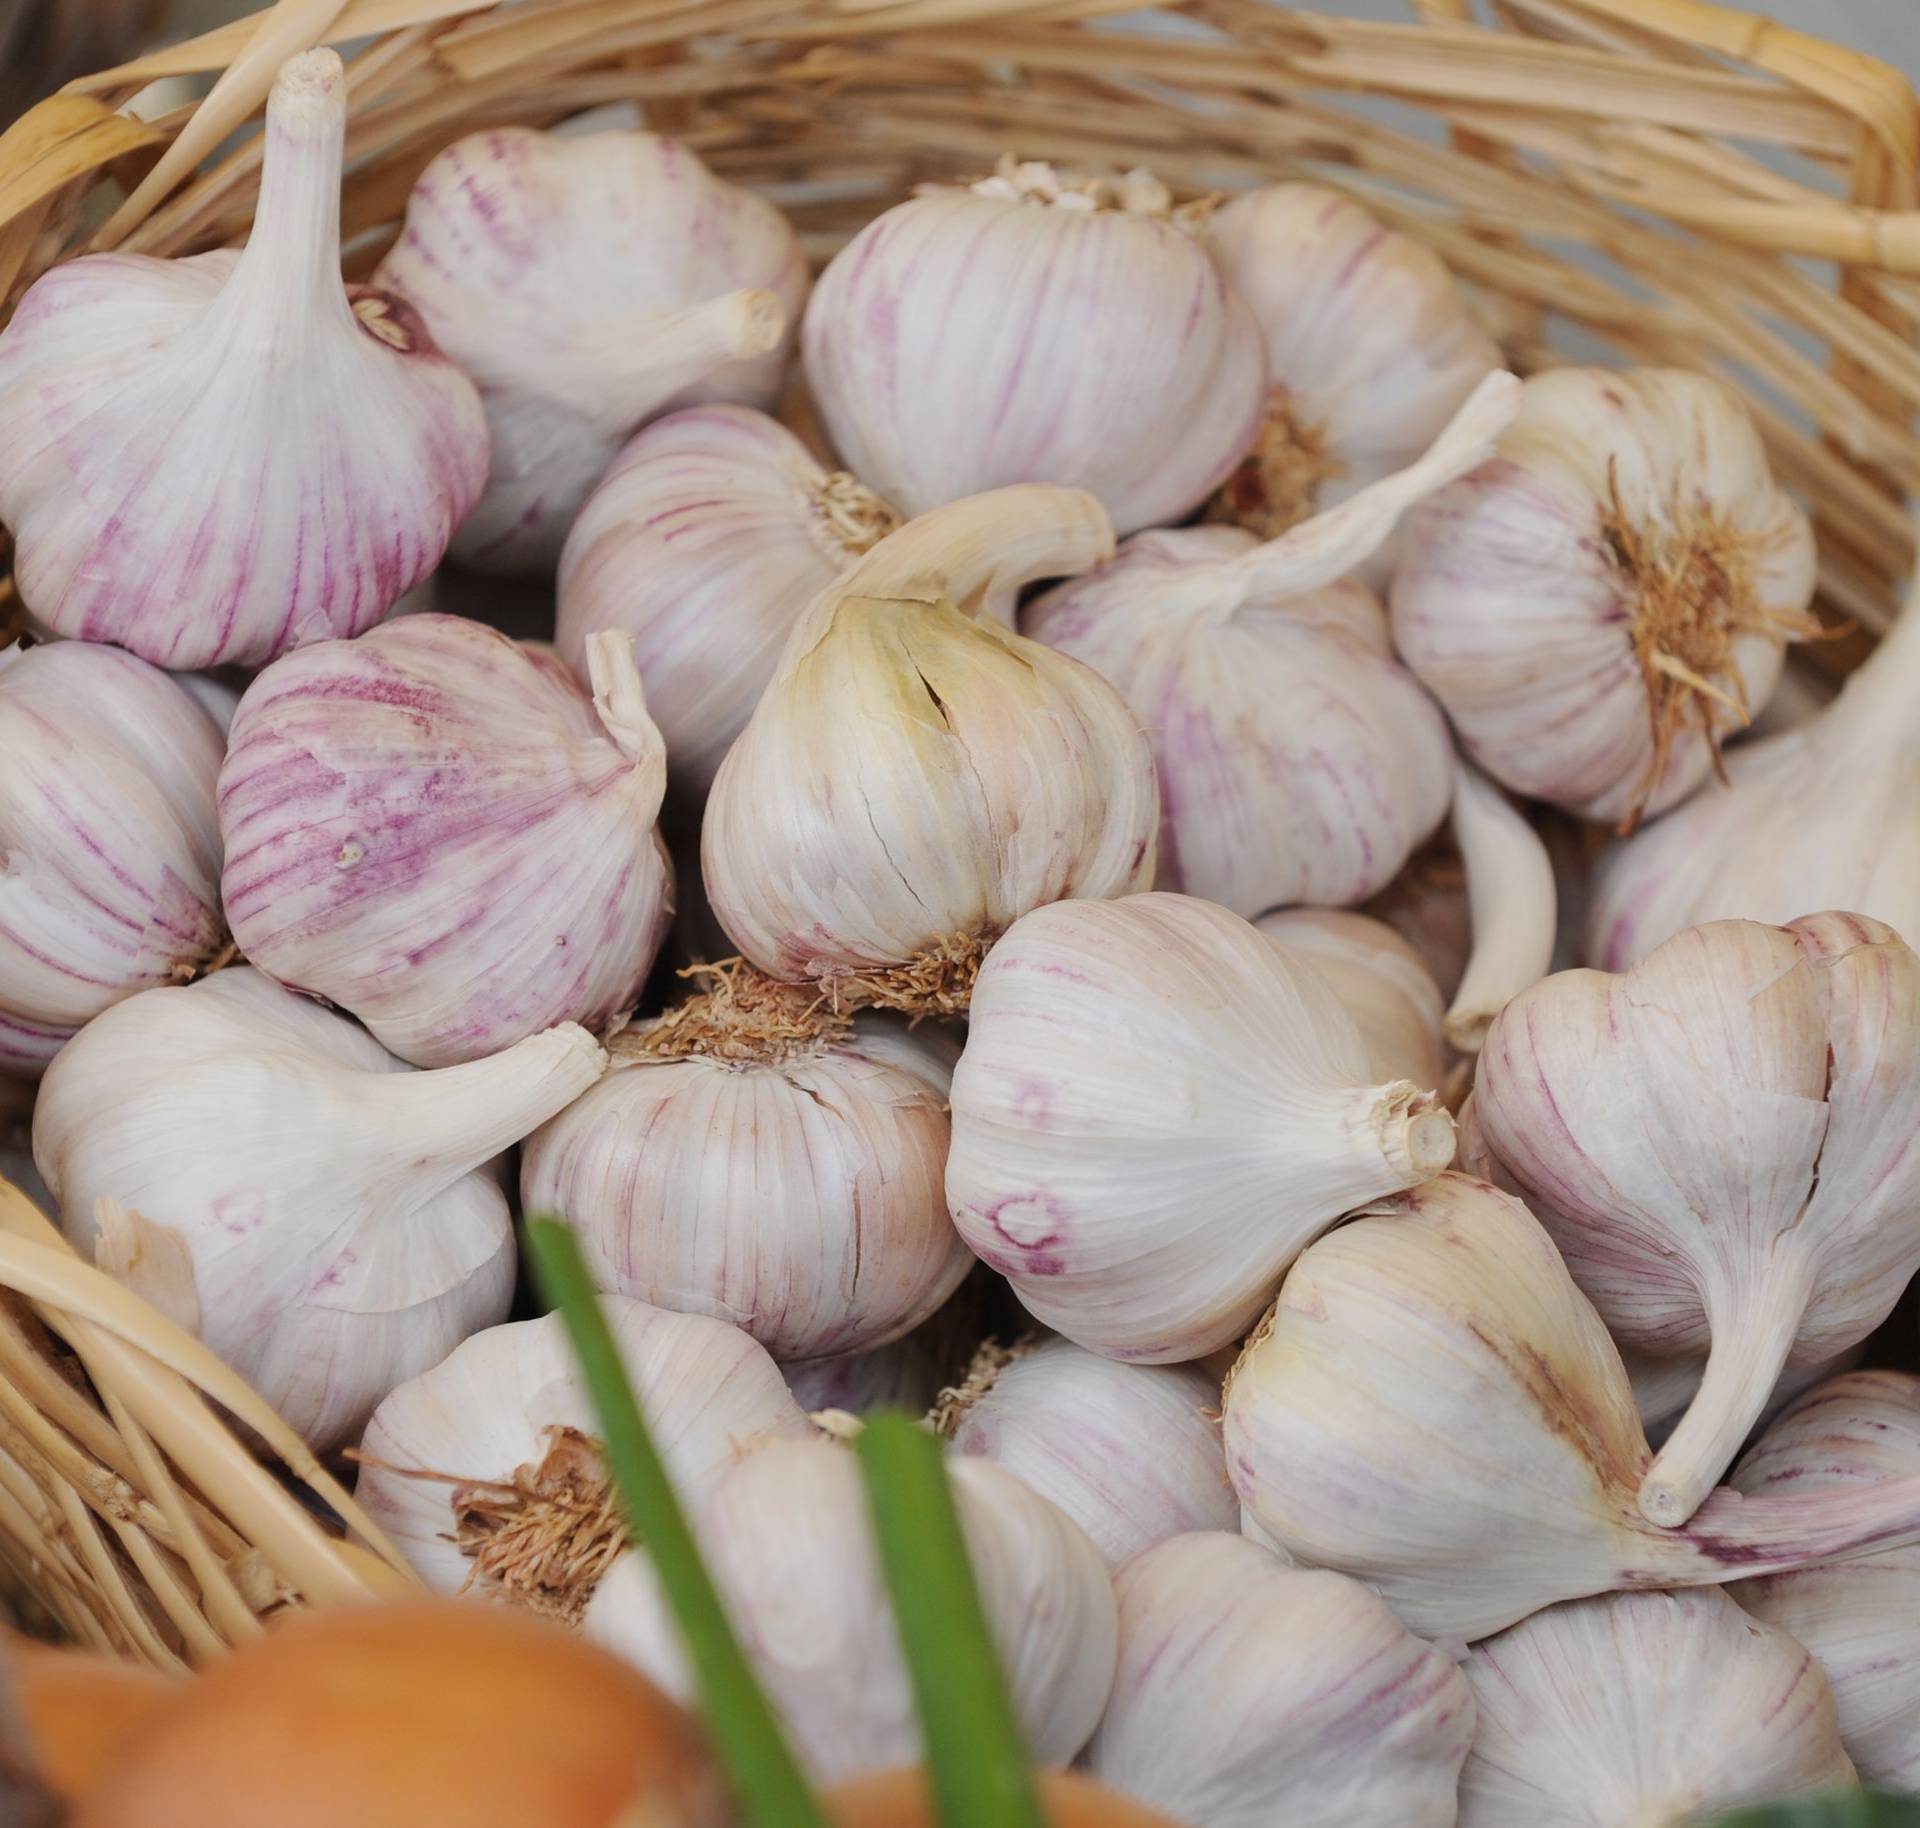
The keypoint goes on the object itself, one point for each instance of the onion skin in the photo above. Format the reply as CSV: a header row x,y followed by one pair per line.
x,y
80,1710
900,1799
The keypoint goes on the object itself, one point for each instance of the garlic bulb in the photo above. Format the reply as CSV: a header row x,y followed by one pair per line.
x,y
264,1172
588,284
1155,1111
1860,1618
1130,1452
486,1473
1512,901
1719,1141
1612,594
220,458
752,1158
788,1538
962,775
910,1373
1664,1387
109,843
434,828
706,542
1035,328
1250,1693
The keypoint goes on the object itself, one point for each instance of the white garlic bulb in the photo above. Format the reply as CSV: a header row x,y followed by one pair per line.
x,y
266,1173
109,842
217,459
588,283
435,828
789,1541
1250,1693
1035,329
1610,595
1154,1112
1380,982
1644,1710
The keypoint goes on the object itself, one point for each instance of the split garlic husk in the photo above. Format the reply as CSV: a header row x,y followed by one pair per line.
x,y
1034,328
109,841
1719,1142
487,1473
266,1174
157,496
436,829
1644,1710
1612,594
1155,1112
1130,1452
705,542
589,283
1250,1693
789,1540
962,775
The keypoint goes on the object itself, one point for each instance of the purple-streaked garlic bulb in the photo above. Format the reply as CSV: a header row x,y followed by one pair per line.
x,y
588,284
1155,1111
1035,328
1250,1693
436,829
264,1172
109,841
218,459
706,542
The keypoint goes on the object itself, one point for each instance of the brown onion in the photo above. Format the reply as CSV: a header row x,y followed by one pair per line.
x,y
80,1709
901,1799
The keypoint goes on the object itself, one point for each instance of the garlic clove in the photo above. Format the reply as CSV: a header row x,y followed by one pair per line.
x,y
1512,900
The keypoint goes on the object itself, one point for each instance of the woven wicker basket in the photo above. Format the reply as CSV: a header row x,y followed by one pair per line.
x,y
1684,182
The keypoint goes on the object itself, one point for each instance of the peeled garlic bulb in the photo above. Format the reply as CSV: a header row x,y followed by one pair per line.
x,y
1250,1693
789,1541
1719,1143
1644,1710
434,828
217,459
268,1175
1033,329
1612,594
1155,1112
109,844
963,775
706,542
588,284
1664,1387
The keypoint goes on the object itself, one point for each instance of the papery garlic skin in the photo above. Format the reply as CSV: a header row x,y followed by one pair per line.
x,y
1155,1112
434,828
324,1217
218,459
789,1540
109,843
1251,1693
588,284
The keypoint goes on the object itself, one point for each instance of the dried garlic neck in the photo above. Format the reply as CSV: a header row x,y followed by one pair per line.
x,y
1278,483
957,1401
849,517
742,1018
189,970
938,982
1135,193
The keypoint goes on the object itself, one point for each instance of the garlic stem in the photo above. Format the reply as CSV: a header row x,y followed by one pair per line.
x,y
618,697
1414,1135
1511,898
1735,1536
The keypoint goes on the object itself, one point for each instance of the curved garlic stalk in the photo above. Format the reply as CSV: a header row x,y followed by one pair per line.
x,y
1251,1693
218,459
1664,1387
1512,901
262,1170
1155,1112
589,284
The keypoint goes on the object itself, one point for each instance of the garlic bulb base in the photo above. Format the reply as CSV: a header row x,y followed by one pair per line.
x,y
850,518
937,981
1279,482
742,1017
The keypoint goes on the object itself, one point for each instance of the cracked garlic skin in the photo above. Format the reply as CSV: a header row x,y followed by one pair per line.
x,y
215,460
789,1541
1250,1693
589,284
1155,1112
1644,1710
265,1173
109,843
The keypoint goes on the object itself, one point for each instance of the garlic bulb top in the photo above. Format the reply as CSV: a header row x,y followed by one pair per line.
x,y
217,459
266,1173
109,845
1032,328
1154,1112
705,542
962,775
588,284
434,828
1250,1694
1610,595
